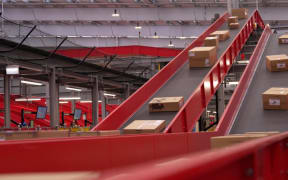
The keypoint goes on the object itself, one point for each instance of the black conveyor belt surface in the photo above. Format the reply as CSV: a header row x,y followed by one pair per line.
x,y
252,116
183,83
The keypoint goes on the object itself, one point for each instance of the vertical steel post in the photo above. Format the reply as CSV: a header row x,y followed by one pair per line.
x,y
95,98
7,101
103,105
127,90
53,99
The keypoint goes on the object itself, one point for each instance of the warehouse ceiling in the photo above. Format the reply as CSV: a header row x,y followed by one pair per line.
x,y
136,3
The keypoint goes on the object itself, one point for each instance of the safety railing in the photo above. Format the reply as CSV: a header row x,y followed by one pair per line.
x,y
258,159
136,100
233,106
189,114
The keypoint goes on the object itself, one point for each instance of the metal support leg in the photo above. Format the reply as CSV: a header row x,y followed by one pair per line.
x,y
127,90
95,98
103,105
54,99
7,101
220,104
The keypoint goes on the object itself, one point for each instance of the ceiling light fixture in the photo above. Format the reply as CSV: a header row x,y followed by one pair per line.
x,y
107,94
182,37
171,44
63,102
88,101
31,83
73,89
12,69
69,98
138,26
115,13
155,35
27,99
233,83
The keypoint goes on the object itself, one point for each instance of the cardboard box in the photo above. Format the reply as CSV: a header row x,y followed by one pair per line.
x,y
275,98
241,13
108,133
268,133
223,35
225,141
211,41
52,134
234,25
232,19
144,126
19,135
277,62
202,56
283,39
84,133
162,104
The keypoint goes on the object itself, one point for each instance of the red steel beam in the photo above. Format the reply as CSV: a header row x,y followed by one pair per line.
x,y
120,115
189,114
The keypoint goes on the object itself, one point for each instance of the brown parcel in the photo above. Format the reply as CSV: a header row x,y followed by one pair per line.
x,y
144,126
202,56
232,19
223,35
96,133
241,13
234,25
275,98
52,133
277,62
18,135
162,104
224,141
283,39
211,41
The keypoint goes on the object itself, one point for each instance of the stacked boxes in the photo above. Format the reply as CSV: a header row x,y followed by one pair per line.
x,y
277,62
162,104
233,22
223,35
283,39
211,41
144,126
202,56
241,13
225,141
275,98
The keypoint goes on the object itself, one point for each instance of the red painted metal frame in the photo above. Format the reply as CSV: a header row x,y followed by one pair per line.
x,y
233,106
121,51
95,153
134,102
190,113
264,159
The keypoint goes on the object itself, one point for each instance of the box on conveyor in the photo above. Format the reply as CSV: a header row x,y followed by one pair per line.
x,y
241,13
211,41
234,25
275,98
144,126
268,133
225,141
162,104
232,19
52,133
223,35
202,56
283,39
96,133
277,62
19,135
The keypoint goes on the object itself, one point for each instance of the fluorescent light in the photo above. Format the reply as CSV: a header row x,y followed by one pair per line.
x,y
115,14
138,26
233,83
107,94
182,37
12,69
88,101
27,99
73,89
214,112
69,98
243,62
63,102
208,111
31,83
